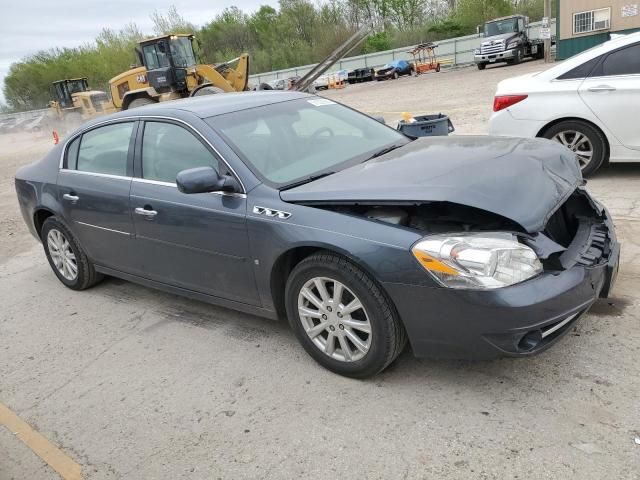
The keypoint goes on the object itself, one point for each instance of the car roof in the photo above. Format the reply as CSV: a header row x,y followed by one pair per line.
x,y
207,105
580,58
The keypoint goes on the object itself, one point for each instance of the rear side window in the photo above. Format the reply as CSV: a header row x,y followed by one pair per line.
x,y
105,149
71,160
167,149
581,71
622,62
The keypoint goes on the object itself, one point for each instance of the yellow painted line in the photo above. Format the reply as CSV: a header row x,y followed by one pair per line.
x,y
47,451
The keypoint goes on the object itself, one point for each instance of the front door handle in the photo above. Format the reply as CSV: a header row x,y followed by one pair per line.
x,y
602,88
70,197
145,212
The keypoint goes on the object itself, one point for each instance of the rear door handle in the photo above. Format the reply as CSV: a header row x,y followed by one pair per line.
x,y
602,88
70,197
146,213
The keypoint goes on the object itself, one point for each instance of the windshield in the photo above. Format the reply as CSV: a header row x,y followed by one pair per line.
x,y
499,27
182,52
76,86
286,142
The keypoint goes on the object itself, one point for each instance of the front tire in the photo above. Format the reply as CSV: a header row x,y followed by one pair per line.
x,y
584,140
341,317
517,57
481,66
66,258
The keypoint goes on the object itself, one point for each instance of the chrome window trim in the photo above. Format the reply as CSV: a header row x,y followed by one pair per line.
x,y
95,174
150,117
169,184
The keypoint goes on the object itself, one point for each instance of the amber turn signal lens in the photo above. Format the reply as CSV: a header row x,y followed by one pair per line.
x,y
434,265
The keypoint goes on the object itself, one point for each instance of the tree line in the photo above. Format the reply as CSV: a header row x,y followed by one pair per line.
x,y
298,32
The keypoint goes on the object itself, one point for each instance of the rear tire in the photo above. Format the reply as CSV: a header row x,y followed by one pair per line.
x,y
438,67
66,258
140,102
386,337
573,132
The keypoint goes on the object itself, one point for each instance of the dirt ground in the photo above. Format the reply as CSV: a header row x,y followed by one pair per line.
x,y
133,383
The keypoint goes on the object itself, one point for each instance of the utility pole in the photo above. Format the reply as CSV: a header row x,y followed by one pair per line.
x,y
547,24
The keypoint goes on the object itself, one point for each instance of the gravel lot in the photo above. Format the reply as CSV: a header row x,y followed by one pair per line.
x,y
133,383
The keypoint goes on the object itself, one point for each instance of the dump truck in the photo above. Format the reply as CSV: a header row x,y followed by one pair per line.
x,y
72,99
169,70
506,40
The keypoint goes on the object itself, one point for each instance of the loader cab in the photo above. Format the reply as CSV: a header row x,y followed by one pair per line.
x,y
167,60
63,90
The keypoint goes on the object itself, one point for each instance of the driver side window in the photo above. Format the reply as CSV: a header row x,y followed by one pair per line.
x,y
167,149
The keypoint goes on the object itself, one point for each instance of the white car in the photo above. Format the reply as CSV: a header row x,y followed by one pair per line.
x,y
587,103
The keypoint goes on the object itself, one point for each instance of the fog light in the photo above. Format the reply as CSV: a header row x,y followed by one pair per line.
x,y
530,341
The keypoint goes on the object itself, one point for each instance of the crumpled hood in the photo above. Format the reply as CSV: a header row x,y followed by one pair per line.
x,y
524,180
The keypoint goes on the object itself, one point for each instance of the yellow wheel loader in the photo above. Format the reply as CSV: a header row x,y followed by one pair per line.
x,y
170,71
72,98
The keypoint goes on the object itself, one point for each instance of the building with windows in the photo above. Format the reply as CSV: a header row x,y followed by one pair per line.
x,y
581,24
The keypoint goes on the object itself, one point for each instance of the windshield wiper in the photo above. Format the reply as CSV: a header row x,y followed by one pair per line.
x,y
381,152
307,180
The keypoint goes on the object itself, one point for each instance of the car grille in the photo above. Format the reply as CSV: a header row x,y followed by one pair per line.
x,y
494,47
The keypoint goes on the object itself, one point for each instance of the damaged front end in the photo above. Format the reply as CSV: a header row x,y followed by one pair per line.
x,y
578,232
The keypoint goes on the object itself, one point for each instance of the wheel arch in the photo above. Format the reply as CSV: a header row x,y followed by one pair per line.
x,y
131,96
287,261
40,214
549,125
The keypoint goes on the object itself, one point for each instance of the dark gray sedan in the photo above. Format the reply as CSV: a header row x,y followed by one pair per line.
x,y
291,205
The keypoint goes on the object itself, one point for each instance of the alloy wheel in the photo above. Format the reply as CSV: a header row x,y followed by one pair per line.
x,y
577,142
334,319
62,255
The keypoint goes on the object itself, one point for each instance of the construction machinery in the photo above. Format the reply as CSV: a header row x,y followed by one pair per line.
x,y
170,71
73,99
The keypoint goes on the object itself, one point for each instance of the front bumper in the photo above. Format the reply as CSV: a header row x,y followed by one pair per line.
x,y
520,320
494,57
384,75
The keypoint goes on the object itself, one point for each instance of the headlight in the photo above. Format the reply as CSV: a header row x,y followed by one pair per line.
x,y
476,51
477,260
513,44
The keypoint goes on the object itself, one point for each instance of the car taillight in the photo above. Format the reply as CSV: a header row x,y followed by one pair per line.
x,y
503,101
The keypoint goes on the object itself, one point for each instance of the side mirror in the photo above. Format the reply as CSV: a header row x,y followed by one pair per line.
x,y
478,29
205,180
380,119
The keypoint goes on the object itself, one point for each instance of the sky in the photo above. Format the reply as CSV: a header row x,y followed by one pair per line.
x,y
28,26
